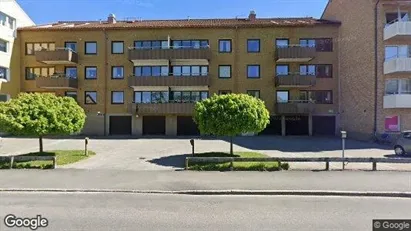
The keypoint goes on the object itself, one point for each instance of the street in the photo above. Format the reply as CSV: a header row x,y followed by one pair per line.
x,y
100,211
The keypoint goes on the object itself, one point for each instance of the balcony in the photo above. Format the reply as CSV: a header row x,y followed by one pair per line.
x,y
162,108
397,65
397,101
58,56
398,32
168,81
136,55
295,80
56,82
295,107
295,54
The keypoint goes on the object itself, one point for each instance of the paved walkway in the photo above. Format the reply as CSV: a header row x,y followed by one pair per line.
x,y
169,153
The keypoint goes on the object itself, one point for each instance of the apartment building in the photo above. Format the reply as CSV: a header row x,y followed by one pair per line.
x,y
375,65
11,17
143,77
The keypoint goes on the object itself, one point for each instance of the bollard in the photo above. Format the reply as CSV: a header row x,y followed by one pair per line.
x,y
327,165
11,161
231,165
192,146
374,165
85,146
54,162
186,167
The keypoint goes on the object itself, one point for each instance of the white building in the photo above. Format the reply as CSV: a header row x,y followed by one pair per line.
x,y
12,16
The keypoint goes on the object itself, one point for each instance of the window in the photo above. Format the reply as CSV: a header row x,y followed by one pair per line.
x,y
90,48
4,97
117,47
253,71
224,45
407,135
33,72
307,42
324,71
190,70
155,44
151,71
319,97
188,96
392,52
3,19
282,96
324,44
253,45
4,73
117,97
6,20
255,93
90,97
151,97
71,45
71,72
224,92
32,47
72,94
186,44
393,17
398,86
224,71
3,45
307,70
90,72
117,72
281,70
12,23
281,43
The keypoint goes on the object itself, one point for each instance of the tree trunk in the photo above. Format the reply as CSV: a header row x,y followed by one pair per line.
x,y
231,145
41,144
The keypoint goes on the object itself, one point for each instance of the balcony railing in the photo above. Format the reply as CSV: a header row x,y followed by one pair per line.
x,y
397,65
295,80
295,107
60,81
397,101
58,56
162,108
295,53
169,81
169,53
397,31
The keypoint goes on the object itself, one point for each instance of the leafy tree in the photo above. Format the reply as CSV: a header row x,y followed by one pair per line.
x,y
40,114
231,115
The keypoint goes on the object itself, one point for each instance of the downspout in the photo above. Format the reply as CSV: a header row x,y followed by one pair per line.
x,y
376,66
341,126
105,79
236,70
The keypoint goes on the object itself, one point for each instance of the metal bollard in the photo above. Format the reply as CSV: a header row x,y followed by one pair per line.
x,y
192,146
85,146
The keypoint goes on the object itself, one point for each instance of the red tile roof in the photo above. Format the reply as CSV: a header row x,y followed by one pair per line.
x,y
184,23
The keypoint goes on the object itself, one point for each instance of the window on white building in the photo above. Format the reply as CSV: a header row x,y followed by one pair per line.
x,y
3,46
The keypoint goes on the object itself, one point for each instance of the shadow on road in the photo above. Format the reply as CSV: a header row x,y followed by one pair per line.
x,y
397,157
176,161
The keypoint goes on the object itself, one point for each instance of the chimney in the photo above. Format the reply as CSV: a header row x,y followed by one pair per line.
x,y
252,16
111,19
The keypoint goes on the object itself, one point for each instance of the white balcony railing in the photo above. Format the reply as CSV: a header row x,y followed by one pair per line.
x,y
397,101
399,28
400,64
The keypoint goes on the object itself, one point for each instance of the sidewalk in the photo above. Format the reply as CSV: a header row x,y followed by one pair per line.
x,y
185,180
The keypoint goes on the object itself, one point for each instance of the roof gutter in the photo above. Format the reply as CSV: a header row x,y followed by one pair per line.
x,y
375,65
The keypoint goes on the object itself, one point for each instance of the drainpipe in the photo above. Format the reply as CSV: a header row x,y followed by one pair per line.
x,y
376,65
236,51
105,79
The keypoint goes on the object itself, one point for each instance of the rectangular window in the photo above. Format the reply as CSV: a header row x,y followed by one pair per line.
x,y
281,70
324,71
90,72
204,70
255,93
4,97
324,44
177,71
186,70
117,72
224,92
204,95
72,94
90,97
176,96
253,45
117,97
3,45
90,48
12,22
307,42
224,45
117,47
186,96
33,47
320,97
282,96
195,70
195,96
71,72
33,72
398,86
3,19
281,42
151,44
146,98
151,97
137,97
253,71
224,71
3,73
307,69
71,45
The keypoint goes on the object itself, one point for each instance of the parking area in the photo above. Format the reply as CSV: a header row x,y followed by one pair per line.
x,y
169,153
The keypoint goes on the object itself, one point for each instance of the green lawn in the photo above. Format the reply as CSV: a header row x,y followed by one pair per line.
x,y
237,166
63,157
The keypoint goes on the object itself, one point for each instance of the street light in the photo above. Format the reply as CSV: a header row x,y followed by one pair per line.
x,y
343,137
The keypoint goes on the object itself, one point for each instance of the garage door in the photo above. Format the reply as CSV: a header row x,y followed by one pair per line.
x,y
274,128
324,125
120,125
296,125
186,126
154,125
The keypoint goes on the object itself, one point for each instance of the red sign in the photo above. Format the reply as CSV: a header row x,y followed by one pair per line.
x,y
392,123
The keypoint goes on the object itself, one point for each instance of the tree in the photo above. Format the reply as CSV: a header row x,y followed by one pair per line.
x,y
41,114
231,115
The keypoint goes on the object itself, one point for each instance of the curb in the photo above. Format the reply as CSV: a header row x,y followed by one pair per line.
x,y
221,192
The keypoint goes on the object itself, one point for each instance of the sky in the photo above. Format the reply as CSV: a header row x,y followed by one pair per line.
x,y
46,11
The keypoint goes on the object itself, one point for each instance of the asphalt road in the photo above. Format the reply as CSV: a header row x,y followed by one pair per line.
x,y
80,211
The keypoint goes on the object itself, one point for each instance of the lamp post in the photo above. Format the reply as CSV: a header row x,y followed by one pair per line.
x,y
343,137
